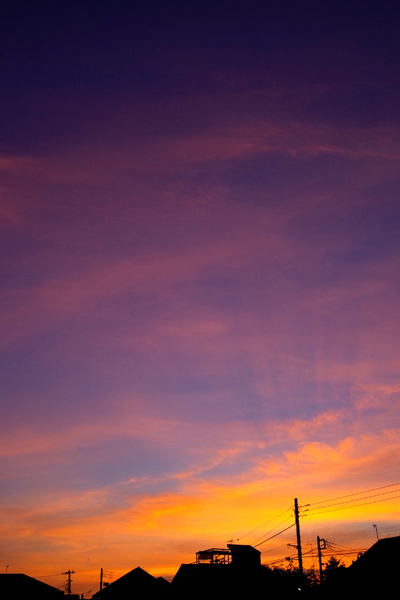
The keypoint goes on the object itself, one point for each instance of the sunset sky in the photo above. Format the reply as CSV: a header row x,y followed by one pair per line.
x,y
200,279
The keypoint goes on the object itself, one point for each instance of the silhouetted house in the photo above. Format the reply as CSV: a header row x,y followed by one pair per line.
x,y
202,578
217,572
164,584
375,573
134,585
17,586
245,556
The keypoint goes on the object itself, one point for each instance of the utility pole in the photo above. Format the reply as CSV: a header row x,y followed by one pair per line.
x,y
296,516
69,573
101,578
321,575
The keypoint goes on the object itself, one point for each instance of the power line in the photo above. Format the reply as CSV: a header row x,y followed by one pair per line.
x,y
355,500
347,548
307,554
342,553
276,548
353,506
279,533
271,530
356,534
262,525
355,494
278,560
308,551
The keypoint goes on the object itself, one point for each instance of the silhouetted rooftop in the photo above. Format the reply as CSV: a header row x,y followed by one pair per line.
x,y
384,554
375,573
137,581
17,586
245,555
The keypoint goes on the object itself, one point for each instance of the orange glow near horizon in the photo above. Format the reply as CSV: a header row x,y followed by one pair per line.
x,y
159,531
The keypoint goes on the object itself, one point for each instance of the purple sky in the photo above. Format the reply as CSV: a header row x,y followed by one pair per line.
x,y
199,212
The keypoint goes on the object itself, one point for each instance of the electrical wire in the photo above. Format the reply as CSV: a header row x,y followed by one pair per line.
x,y
342,553
354,506
286,557
279,533
308,552
355,494
266,523
276,548
271,530
312,555
311,551
279,560
356,500
348,548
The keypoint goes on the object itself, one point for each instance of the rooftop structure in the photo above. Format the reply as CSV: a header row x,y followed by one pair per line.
x,y
215,556
238,554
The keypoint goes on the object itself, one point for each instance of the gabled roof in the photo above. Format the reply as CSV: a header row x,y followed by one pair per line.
x,y
164,583
137,580
18,585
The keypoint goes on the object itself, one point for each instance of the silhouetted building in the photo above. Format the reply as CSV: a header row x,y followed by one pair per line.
x,y
135,584
375,573
163,583
17,586
237,554
235,571
245,556
215,556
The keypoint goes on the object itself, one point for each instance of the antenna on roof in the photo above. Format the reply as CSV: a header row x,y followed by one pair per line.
x,y
376,528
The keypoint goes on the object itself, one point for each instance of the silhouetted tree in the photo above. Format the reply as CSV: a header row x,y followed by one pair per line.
x,y
334,570
311,577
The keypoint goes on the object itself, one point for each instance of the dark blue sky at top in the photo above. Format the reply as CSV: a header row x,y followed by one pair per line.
x,y
63,65
101,43
106,73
